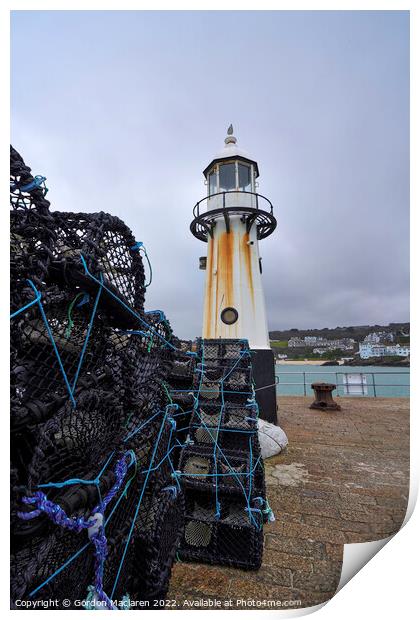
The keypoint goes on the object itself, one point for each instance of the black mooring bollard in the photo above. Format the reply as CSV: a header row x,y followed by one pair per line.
x,y
323,397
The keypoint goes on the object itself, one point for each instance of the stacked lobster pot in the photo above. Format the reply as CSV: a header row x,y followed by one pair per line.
x,y
181,385
220,467
96,513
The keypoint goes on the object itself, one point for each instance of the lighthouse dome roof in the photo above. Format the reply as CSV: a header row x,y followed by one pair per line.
x,y
231,151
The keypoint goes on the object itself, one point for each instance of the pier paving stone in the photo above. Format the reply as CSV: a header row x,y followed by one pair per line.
x,y
343,479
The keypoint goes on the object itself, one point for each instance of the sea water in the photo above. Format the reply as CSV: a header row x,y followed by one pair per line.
x,y
388,381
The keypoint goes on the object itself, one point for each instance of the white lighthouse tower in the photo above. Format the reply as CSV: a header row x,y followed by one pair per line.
x,y
232,219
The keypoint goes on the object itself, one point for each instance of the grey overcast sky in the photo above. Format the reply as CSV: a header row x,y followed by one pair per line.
x,y
123,110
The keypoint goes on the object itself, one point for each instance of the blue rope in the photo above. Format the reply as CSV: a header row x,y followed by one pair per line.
x,y
162,317
58,515
134,332
225,430
89,330
66,381
38,180
136,430
217,448
250,477
85,546
133,312
150,267
97,535
136,246
26,306
71,481
216,439
172,489
139,246
59,570
242,354
167,456
138,505
156,467
85,299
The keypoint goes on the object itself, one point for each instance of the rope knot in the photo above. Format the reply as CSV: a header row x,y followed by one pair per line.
x,y
136,247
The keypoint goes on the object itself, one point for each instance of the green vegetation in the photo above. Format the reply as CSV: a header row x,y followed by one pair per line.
x,y
302,353
298,354
278,344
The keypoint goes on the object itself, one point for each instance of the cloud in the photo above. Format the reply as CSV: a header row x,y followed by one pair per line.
x,y
129,108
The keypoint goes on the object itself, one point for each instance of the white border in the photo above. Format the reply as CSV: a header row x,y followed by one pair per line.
x,y
386,586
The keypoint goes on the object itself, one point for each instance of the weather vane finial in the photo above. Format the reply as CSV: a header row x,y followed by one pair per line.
x,y
230,138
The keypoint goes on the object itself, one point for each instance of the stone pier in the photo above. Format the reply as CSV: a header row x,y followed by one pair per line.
x,y
344,479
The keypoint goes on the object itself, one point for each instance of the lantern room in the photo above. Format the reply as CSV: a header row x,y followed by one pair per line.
x,y
231,176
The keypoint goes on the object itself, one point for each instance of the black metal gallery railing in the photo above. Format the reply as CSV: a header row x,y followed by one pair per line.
x,y
259,198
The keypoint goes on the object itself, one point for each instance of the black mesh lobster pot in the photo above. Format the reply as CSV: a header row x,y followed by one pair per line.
x,y
229,352
42,557
183,367
214,393
142,363
233,377
110,252
61,345
153,447
157,534
32,233
233,426
57,562
230,470
221,468
74,442
235,538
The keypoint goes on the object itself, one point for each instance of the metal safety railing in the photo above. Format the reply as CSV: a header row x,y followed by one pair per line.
x,y
267,205
363,384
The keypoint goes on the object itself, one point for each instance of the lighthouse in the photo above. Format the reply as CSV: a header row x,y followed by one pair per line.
x,y
232,219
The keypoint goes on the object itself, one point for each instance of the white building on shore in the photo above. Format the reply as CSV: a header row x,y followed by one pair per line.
x,y
339,343
379,337
366,350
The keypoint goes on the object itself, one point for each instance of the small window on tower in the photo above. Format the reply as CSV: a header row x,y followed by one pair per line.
x,y
212,183
227,180
244,173
229,316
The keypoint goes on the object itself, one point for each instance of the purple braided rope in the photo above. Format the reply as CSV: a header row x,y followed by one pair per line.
x,y
57,514
101,551
54,512
120,472
76,524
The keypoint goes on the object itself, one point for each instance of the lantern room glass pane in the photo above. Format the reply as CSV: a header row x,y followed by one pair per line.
x,y
227,180
244,174
212,183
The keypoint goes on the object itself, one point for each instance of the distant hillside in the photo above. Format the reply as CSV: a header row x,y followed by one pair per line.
x,y
358,332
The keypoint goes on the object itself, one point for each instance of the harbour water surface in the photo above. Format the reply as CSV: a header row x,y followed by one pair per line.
x,y
388,381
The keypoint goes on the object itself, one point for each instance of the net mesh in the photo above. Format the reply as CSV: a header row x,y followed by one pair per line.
x,y
221,469
159,528
233,538
92,422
